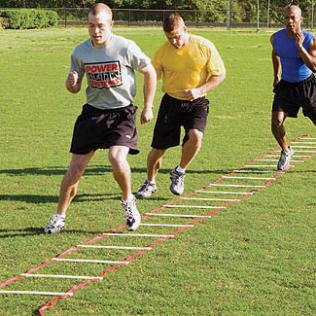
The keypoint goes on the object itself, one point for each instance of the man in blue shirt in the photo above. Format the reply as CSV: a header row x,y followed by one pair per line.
x,y
294,57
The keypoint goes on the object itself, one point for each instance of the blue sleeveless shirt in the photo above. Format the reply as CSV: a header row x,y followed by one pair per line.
x,y
293,67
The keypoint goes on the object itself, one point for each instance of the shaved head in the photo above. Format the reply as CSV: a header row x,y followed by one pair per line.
x,y
99,8
293,18
293,8
100,24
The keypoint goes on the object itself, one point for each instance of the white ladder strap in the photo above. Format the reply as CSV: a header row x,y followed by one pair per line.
x,y
36,293
247,178
166,225
225,192
236,185
139,235
90,261
60,276
210,199
192,206
176,215
114,247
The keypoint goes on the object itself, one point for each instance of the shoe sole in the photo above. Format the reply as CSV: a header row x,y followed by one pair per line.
x,y
284,168
51,232
133,229
174,192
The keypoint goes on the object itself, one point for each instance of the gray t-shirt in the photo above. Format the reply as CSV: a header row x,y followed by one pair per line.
x,y
109,71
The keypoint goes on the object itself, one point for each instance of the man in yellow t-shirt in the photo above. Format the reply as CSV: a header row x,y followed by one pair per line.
x,y
189,66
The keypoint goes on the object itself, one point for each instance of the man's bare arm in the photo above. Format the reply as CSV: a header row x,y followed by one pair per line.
x,y
150,81
212,83
276,63
308,56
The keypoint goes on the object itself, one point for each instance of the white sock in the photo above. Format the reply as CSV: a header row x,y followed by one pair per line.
x,y
131,197
180,170
288,149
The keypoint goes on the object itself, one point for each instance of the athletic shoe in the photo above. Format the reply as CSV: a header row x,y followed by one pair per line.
x,y
177,182
285,159
132,215
55,225
146,190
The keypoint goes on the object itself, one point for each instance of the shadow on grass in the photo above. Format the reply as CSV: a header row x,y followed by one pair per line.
x,y
32,231
92,170
30,198
42,199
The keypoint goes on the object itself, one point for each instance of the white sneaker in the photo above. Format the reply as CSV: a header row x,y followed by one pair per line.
x,y
132,215
146,190
55,225
285,158
177,182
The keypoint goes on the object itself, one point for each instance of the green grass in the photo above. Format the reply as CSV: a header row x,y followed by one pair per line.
x,y
255,258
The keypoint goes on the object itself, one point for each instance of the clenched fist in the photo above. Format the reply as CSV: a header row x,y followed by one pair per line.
x,y
72,78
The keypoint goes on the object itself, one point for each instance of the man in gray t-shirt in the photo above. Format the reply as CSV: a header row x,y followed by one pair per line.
x,y
108,117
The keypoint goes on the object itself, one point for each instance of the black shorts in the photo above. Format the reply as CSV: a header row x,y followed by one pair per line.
x,y
97,128
289,97
173,114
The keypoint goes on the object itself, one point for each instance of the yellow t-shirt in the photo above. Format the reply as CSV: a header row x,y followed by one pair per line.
x,y
187,67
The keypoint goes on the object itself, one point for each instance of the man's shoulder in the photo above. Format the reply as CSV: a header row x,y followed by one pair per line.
x,y
279,32
164,46
82,46
122,41
200,40
308,34
277,35
162,49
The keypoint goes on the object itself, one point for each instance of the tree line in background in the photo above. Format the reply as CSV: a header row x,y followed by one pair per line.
x,y
215,10
212,5
28,18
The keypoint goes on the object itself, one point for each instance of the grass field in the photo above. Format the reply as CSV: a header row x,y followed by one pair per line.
x,y
255,258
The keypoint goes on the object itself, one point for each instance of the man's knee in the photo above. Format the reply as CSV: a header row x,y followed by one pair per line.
x,y
276,122
117,158
75,171
196,137
156,153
